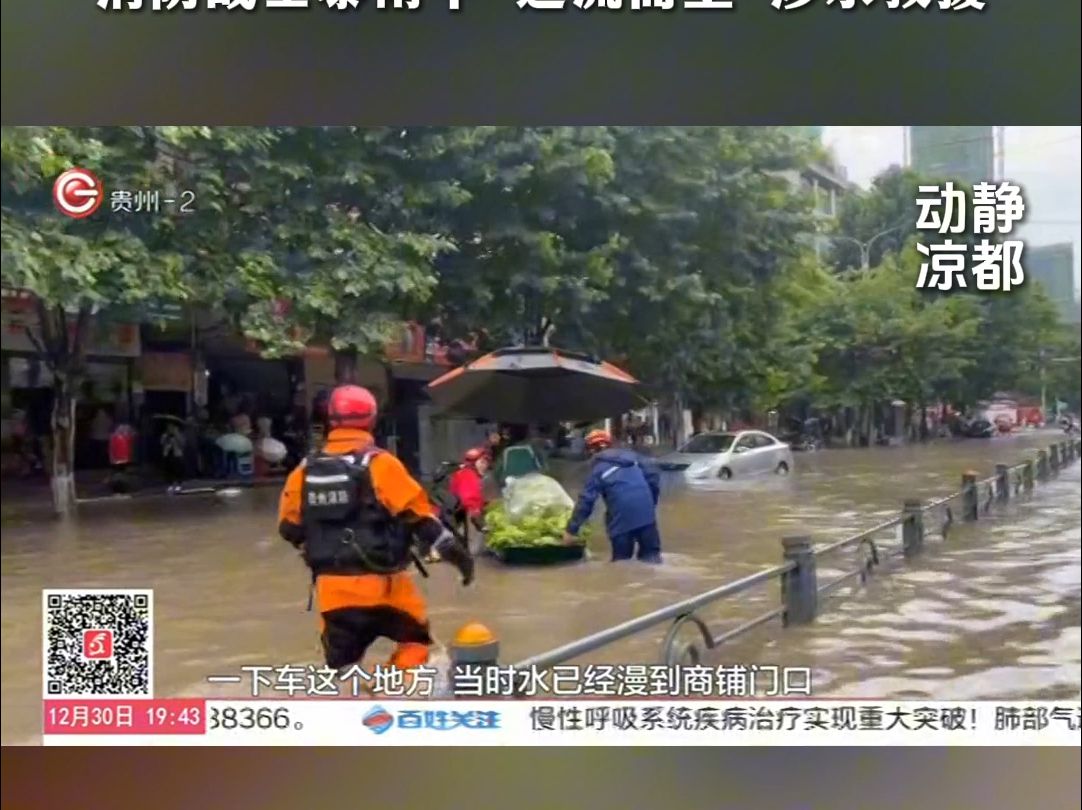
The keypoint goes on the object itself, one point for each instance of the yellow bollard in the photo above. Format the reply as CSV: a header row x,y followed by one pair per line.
x,y
474,643
474,648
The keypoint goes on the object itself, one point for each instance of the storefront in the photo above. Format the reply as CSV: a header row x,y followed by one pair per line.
x,y
165,382
319,377
112,350
408,425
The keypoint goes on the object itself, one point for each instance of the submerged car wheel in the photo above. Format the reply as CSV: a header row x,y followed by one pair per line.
x,y
725,473
782,468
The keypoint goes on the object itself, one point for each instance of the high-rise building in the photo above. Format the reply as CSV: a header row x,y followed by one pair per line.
x,y
825,181
1053,267
965,154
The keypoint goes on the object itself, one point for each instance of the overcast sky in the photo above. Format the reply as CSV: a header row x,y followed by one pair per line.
x,y
1045,161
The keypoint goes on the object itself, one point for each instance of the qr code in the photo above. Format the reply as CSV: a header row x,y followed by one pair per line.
x,y
97,643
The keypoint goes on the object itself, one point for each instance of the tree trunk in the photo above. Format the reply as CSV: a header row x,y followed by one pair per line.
x,y
63,464
678,437
63,353
345,366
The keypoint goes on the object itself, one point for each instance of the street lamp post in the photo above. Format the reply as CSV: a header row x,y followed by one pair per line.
x,y
866,247
1044,390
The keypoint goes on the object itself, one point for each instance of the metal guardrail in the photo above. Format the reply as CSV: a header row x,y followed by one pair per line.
x,y
678,613
800,589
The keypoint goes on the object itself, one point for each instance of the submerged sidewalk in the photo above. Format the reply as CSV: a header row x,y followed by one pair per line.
x,y
23,495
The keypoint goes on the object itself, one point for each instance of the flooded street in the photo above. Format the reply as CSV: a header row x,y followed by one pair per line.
x,y
992,612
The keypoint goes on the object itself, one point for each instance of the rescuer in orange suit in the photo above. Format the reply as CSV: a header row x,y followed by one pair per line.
x,y
360,521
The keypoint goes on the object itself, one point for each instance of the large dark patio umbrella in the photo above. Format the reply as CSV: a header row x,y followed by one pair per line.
x,y
541,384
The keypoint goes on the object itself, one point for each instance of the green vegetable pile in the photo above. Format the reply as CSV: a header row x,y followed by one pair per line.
x,y
540,526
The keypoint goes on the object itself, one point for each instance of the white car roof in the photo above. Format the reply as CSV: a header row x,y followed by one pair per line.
x,y
770,436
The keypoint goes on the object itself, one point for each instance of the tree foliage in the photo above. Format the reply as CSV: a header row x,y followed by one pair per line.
x,y
653,245
1002,342
679,251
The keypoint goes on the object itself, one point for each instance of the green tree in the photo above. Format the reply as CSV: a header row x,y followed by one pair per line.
x,y
647,244
882,219
1018,332
306,232
718,225
939,334
883,339
76,268
1062,370
797,336
517,203
298,234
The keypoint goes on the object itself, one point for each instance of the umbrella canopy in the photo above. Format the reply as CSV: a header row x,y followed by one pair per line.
x,y
540,384
272,450
235,443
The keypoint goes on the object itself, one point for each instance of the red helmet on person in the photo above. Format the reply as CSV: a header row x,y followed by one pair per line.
x,y
473,455
598,439
351,406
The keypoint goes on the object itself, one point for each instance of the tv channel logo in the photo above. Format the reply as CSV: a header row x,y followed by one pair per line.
x,y
77,193
378,720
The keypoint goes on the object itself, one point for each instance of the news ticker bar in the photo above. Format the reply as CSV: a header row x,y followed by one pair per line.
x,y
184,721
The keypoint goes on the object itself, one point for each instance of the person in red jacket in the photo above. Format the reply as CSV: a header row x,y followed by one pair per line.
x,y
467,487
121,446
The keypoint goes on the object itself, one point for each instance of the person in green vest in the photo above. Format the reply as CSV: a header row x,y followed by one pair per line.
x,y
517,456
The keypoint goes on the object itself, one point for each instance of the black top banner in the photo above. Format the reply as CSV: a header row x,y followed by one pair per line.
x,y
540,61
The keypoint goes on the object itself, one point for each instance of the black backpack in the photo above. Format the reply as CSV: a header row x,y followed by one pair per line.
x,y
347,529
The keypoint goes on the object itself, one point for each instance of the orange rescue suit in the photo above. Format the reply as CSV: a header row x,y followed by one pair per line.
x,y
355,609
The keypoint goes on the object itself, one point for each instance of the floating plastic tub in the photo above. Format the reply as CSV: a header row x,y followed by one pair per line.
x,y
540,555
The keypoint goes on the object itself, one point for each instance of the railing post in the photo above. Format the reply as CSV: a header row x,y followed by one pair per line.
x,y
1042,465
912,527
1003,482
1053,458
799,589
970,498
1027,476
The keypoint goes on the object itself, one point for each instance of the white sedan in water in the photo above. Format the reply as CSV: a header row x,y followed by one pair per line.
x,y
730,455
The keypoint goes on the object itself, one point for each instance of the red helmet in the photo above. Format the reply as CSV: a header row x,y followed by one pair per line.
x,y
351,406
598,439
473,455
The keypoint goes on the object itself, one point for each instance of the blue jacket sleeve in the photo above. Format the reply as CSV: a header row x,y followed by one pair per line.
x,y
585,504
653,477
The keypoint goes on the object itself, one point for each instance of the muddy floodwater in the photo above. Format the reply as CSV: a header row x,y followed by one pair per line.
x,y
990,612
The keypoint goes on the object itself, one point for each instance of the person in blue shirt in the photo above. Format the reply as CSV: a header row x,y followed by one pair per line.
x,y
630,485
